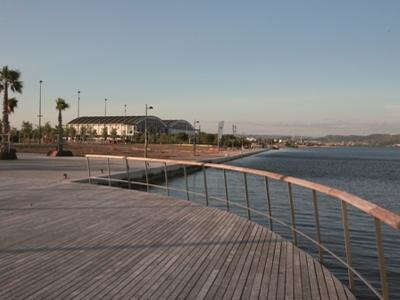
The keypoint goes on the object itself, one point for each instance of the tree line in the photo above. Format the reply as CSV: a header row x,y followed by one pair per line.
x,y
48,134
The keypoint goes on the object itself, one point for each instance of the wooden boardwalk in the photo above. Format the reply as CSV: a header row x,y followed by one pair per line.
x,y
69,240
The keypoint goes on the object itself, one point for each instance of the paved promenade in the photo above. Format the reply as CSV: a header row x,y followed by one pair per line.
x,y
61,239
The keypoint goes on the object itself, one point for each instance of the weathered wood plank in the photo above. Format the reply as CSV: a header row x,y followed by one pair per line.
x,y
297,275
315,293
265,282
208,272
290,279
247,267
305,277
246,228
273,283
252,280
227,287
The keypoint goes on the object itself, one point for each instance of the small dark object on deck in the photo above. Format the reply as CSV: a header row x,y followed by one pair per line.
x,y
12,154
54,153
65,176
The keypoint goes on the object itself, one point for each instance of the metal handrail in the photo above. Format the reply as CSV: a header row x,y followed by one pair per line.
x,y
379,214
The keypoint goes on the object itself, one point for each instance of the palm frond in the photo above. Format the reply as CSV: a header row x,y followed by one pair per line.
x,y
12,104
61,104
11,77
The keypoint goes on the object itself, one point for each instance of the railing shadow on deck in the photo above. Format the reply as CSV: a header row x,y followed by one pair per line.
x,y
379,215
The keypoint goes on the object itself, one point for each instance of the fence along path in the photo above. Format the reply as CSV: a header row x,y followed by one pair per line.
x,y
85,241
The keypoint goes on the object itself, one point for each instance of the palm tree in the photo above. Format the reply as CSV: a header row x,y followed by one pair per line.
x,y
60,106
9,79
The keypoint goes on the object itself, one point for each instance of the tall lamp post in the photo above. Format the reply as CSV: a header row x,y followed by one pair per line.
x,y
145,130
79,100
125,109
40,111
194,136
105,107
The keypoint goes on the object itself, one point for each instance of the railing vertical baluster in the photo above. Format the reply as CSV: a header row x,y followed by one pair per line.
x,y
247,195
226,191
292,213
205,184
147,176
268,202
109,171
381,259
316,214
186,182
88,166
128,174
346,233
166,178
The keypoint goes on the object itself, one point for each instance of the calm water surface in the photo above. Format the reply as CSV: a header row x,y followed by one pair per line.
x,y
371,173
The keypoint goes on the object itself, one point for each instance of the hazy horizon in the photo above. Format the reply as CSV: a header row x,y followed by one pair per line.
x,y
291,68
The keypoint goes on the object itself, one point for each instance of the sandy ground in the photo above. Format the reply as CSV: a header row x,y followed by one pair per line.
x,y
154,150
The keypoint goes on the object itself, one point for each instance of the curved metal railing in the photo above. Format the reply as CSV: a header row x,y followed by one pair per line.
x,y
379,215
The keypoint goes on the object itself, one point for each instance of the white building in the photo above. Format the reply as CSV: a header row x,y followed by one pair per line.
x,y
129,125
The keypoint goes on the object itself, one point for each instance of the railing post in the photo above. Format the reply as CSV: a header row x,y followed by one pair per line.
x,y
226,191
381,259
147,176
316,214
88,167
292,213
268,202
166,178
128,174
186,182
247,195
346,233
205,184
109,171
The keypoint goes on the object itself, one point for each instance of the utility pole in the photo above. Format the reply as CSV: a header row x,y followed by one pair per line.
x,y
105,107
79,99
145,130
40,111
194,136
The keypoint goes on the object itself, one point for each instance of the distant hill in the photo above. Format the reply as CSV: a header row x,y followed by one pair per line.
x,y
370,140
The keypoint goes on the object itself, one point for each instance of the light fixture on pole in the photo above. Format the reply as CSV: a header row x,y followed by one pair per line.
x,y
145,130
105,107
79,100
40,110
194,136
125,110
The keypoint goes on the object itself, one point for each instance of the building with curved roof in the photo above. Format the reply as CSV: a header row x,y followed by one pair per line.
x,y
178,126
125,126
129,125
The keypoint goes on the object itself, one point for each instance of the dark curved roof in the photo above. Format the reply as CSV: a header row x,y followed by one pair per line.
x,y
129,120
172,123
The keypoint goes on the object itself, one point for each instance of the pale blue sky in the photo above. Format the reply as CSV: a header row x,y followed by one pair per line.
x,y
291,67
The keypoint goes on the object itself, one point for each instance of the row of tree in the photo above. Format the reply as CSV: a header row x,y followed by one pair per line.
x,y
10,83
48,134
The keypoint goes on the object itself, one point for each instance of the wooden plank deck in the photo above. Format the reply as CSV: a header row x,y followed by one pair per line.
x,y
69,240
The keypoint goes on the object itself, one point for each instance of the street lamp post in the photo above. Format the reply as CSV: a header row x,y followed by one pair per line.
x,y
79,100
145,130
125,110
105,107
40,110
194,136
